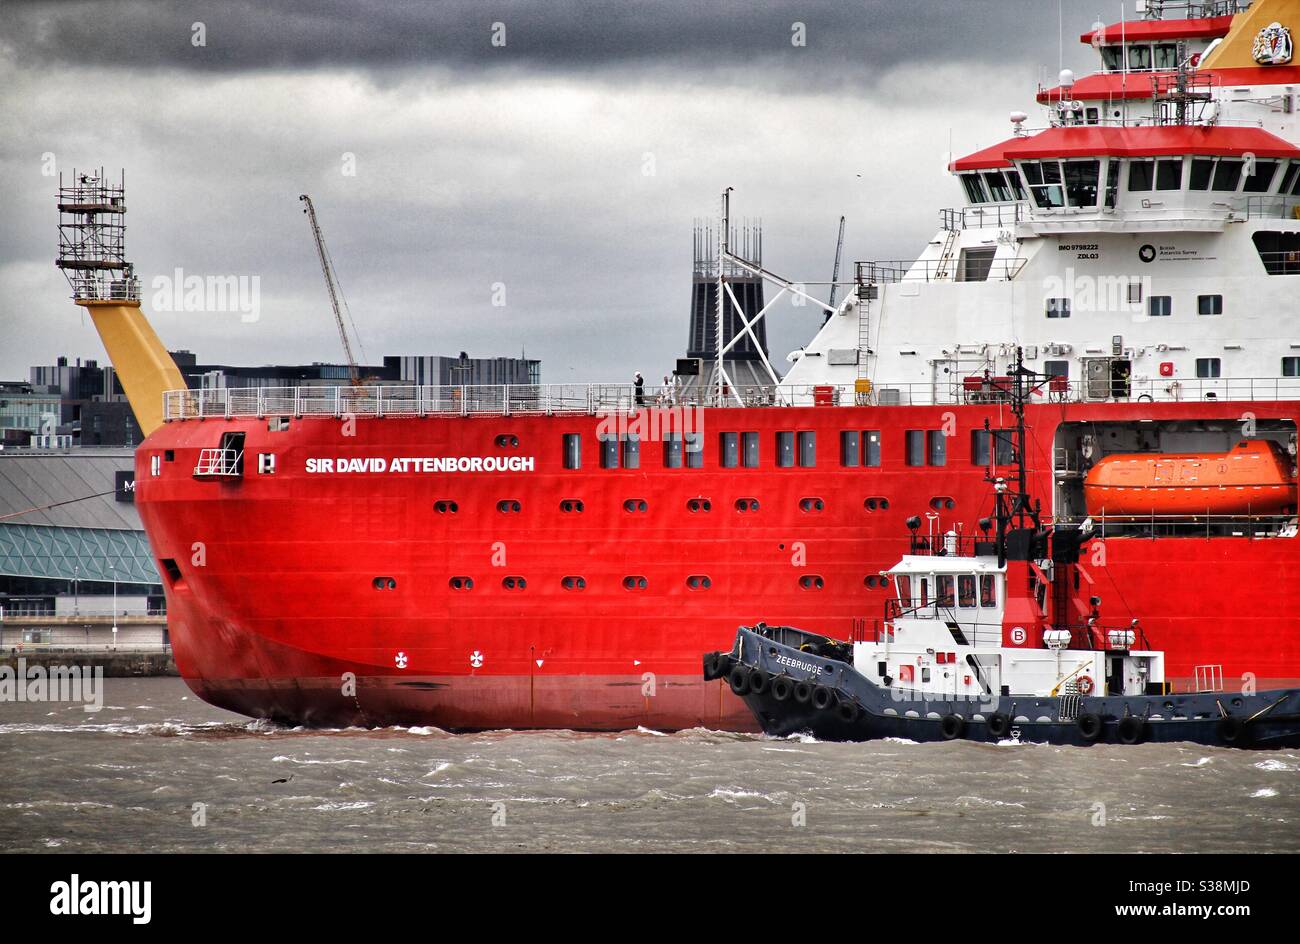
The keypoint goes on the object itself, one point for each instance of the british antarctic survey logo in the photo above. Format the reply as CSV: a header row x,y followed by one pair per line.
x,y
1273,45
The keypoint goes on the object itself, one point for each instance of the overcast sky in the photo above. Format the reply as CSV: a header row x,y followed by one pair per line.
x,y
567,164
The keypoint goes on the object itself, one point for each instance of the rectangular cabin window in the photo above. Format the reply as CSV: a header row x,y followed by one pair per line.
x,y
976,264
1294,189
673,451
1004,446
850,442
1160,306
729,450
1058,308
1048,194
749,453
1290,178
609,452
631,451
1279,251
966,590
1112,183
1227,174
904,585
1208,367
1081,183
1202,173
1140,175
265,463
988,591
924,600
1291,367
807,449
1209,304
1169,174
943,594
573,450
1259,176
785,450
1166,56
914,440
155,465
1017,185
980,453
1057,369
1139,57
1112,58
871,448
937,451
694,445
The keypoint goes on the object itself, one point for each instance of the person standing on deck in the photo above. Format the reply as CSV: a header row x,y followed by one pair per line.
x,y
640,389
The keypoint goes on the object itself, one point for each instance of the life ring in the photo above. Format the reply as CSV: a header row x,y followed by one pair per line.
x,y
757,682
952,727
1090,726
999,725
1084,684
1131,729
781,688
822,697
739,680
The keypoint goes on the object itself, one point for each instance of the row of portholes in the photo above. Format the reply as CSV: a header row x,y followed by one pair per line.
x,y
694,505
507,442
693,582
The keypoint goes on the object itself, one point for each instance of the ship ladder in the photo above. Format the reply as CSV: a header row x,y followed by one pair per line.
x,y
945,257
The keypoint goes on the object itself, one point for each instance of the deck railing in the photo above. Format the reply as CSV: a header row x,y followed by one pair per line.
x,y
599,399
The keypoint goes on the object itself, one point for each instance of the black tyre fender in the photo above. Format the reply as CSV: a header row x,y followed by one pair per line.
x,y
1089,725
823,697
999,725
716,665
803,692
847,711
757,682
1233,730
781,688
739,680
952,727
1131,729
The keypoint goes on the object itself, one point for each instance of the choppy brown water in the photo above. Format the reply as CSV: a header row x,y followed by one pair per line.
x,y
126,779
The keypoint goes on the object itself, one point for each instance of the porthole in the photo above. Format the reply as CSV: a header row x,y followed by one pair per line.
x,y
698,582
384,583
445,507
699,505
509,506
507,442
746,504
876,582
461,583
514,583
574,583
635,583
876,503
636,506
571,506
811,504
811,582
942,503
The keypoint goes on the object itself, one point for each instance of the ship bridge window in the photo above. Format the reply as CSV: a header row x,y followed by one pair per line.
x,y
903,583
1166,56
1044,179
966,591
988,590
1259,176
1081,182
1291,182
1139,57
974,188
1141,175
1169,174
1112,58
999,189
1227,175
1112,183
1202,173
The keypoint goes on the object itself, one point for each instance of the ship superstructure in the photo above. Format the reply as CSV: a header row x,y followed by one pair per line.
x,y
542,556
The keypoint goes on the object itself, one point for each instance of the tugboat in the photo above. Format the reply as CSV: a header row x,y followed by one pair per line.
x,y
988,640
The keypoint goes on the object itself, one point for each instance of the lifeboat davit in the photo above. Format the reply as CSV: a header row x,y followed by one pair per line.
x,y
1255,477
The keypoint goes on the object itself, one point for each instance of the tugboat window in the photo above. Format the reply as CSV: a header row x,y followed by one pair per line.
x,y
1209,304
1261,180
1160,306
988,590
1081,182
966,590
1207,367
943,590
1202,173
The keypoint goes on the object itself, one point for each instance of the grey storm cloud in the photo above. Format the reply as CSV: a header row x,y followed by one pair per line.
x,y
852,41
567,166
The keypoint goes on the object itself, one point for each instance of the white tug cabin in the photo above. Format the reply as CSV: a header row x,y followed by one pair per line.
x,y
948,633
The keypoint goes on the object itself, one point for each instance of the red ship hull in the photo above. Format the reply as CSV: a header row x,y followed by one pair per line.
x,y
277,607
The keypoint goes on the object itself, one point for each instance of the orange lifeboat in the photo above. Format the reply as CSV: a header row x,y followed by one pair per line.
x,y
1253,478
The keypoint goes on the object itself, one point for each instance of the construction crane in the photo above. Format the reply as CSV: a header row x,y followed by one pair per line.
x,y
835,272
331,283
